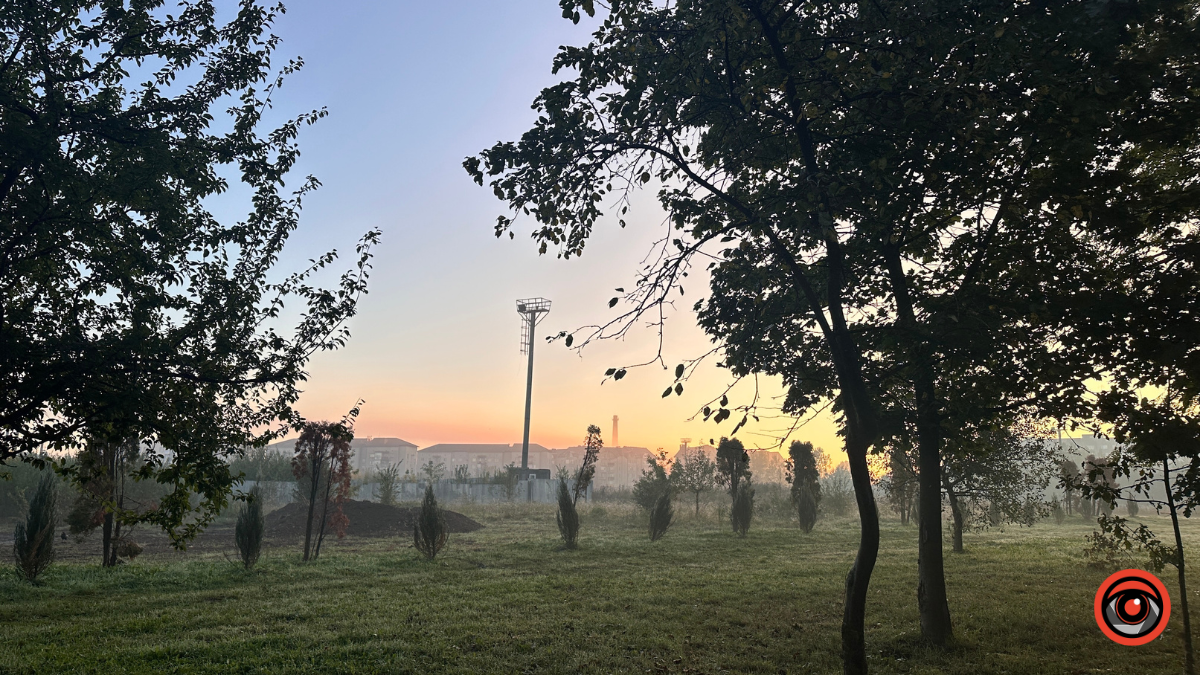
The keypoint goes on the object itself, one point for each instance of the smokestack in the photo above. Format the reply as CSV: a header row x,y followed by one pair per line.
x,y
614,439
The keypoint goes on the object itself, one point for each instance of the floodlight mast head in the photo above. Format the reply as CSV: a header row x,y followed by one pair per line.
x,y
532,310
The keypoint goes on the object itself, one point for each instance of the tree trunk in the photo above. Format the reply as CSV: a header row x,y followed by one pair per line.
x,y
1189,657
854,646
697,503
936,626
109,556
324,511
956,512
315,484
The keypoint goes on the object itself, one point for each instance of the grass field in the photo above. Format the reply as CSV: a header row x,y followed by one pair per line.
x,y
507,599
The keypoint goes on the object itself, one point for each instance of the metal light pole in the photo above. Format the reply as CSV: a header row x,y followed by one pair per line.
x,y
531,310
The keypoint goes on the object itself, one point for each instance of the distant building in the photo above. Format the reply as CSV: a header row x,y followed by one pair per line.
x,y
482,459
766,466
617,467
369,454
373,454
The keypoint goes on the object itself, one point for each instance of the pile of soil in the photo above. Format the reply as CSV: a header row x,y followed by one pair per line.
x,y
367,519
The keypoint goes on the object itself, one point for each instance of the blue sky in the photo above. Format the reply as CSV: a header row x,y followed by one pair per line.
x,y
412,88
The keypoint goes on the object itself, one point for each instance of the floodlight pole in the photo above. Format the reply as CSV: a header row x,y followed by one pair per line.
x,y
531,311
528,401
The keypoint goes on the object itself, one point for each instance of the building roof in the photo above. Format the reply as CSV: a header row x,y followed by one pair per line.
x,y
480,448
383,441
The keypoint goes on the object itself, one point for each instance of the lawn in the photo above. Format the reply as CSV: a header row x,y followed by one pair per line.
x,y
507,599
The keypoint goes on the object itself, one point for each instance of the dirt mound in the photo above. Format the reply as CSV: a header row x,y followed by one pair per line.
x,y
367,519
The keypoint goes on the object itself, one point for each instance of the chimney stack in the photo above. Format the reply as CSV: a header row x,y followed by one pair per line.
x,y
614,438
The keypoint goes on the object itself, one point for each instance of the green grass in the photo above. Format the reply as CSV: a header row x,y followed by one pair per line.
x,y
507,599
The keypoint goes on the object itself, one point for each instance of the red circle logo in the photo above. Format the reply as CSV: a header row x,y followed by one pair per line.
x,y
1132,607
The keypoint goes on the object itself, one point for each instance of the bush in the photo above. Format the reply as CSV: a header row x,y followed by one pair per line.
x,y
743,509
430,531
33,540
653,482
1056,510
568,517
661,515
388,483
251,525
837,493
1131,507
806,505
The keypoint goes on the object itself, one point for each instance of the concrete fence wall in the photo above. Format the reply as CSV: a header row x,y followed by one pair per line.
x,y
543,491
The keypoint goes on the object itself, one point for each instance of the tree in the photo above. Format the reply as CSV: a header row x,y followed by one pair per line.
x,y
654,480
321,462
661,515
1158,432
249,530
433,471
567,517
996,476
430,532
742,511
694,472
804,476
880,168
33,540
901,484
106,475
1068,472
587,469
388,482
733,464
127,309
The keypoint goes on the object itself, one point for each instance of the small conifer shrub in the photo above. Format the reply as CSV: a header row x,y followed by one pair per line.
x,y
250,528
1057,512
661,515
33,540
430,531
568,517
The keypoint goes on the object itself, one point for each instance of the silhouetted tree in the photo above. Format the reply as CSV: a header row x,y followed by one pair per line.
x,y
567,516
805,478
103,475
881,168
430,532
996,476
653,482
661,515
130,310
33,539
321,462
694,472
733,469
587,469
250,528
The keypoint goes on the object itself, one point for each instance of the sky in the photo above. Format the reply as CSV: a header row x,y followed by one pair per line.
x,y
412,88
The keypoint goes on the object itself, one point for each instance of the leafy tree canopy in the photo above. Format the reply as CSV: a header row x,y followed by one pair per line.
x,y
127,310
